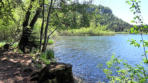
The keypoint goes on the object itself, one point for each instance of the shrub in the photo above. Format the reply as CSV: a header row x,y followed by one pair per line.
x,y
47,56
127,74
50,41
100,30
15,45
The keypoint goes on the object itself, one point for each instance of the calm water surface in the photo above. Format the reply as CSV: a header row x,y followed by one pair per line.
x,y
86,52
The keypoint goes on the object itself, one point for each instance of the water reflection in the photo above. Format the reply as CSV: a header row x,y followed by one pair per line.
x,y
86,52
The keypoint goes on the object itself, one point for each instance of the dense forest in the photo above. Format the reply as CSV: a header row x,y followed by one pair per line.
x,y
64,15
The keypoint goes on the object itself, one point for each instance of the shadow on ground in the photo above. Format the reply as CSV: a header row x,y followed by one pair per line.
x,y
15,67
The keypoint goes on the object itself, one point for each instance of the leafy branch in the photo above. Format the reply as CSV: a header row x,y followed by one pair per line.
x,y
138,20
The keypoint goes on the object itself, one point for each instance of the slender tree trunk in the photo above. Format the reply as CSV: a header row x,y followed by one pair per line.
x,y
74,19
46,28
74,15
42,26
96,25
55,28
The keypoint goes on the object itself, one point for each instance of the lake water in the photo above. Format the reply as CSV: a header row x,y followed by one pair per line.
x,y
86,52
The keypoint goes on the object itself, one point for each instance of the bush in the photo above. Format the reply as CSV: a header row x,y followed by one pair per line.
x,y
50,41
15,45
47,56
91,31
127,74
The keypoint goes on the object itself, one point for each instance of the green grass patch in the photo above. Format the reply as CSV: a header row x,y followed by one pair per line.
x,y
50,41
122,32
47,56
43,58
15,45
90,31
2,44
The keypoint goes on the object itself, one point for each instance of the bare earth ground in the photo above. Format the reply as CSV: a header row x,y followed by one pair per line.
x,y
15,67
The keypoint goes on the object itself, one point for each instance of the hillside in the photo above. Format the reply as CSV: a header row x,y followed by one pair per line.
x,y
108,18
89,15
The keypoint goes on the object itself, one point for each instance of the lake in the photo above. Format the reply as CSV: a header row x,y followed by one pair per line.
x,y
86,52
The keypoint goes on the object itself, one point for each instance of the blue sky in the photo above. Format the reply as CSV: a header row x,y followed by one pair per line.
x,y
121,9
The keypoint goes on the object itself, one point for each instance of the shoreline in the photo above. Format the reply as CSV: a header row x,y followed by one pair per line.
x,y
104,34
100,34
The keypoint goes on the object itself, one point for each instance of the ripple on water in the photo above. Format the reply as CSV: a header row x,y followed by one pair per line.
x,y
86,52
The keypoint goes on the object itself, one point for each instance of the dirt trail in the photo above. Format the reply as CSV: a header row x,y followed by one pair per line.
x,y
15,67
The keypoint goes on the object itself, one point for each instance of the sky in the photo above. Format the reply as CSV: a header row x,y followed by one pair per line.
x,y
121,9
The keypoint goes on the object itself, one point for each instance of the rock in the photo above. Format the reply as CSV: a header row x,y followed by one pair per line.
x,y
54,73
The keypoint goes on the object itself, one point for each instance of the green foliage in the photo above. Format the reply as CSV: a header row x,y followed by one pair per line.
x,y
100,30
134,42
77,16
2,44
145,60
47,56
103,15
140,27
71,15
50,41
44,58
15,45
134,29
10,18
126,74
130,74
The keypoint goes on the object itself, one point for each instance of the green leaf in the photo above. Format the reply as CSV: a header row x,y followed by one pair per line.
x,y
132,30
128,2
132,21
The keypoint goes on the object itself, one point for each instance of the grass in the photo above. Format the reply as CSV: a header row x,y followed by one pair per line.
x,y
47,56
85,32
15,45
44,59
50,41
122,32
2,44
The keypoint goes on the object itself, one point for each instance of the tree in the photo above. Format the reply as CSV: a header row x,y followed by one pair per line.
x,y
46,28
42,26
27,28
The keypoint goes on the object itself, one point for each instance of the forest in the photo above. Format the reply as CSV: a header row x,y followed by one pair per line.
x,y
69,17
71,41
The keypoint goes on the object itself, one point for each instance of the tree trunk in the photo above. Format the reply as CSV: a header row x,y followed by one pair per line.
x,y
24,41
55,28
46,28
42,26
35,18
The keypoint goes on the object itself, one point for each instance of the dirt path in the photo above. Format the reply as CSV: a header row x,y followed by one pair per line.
x,y
15,67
